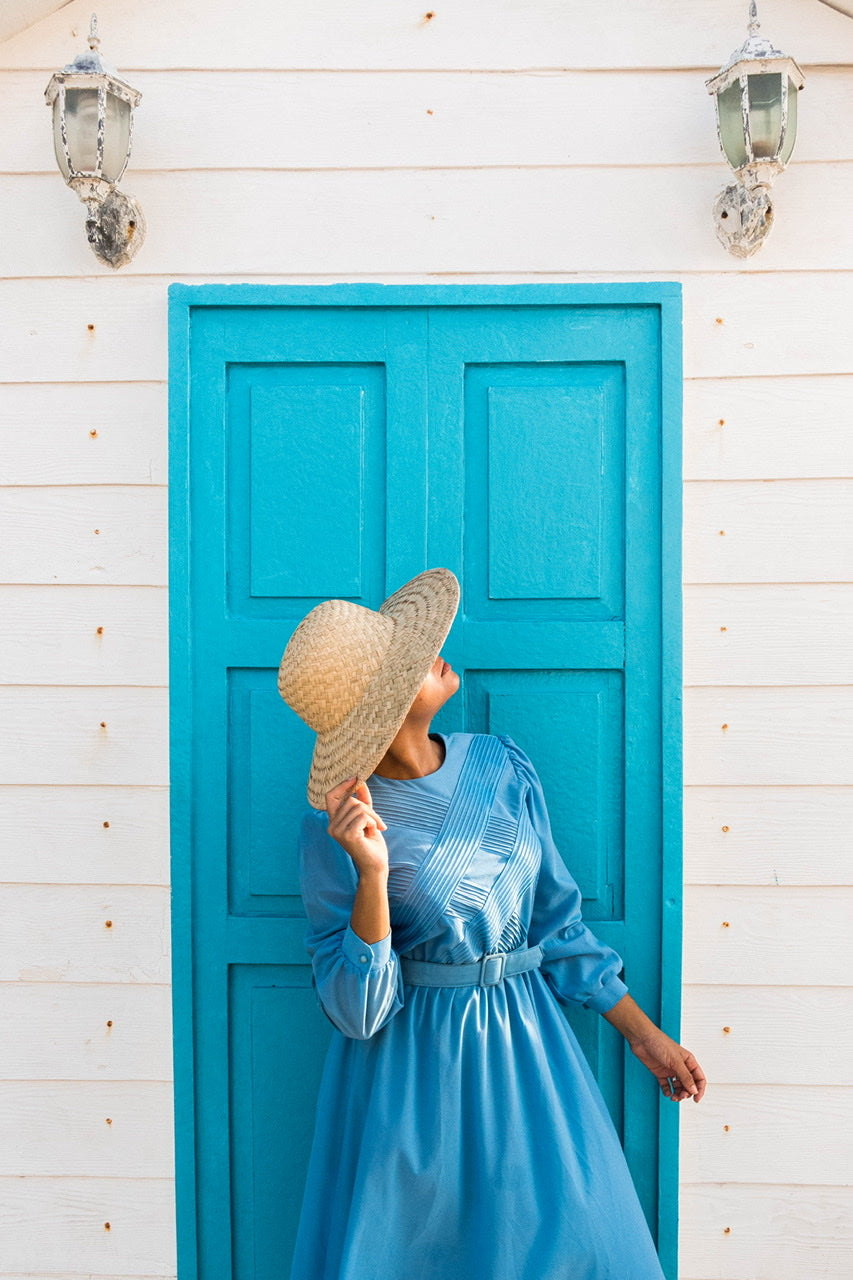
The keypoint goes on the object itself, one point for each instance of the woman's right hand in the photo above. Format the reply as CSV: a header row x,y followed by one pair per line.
x,y
356,826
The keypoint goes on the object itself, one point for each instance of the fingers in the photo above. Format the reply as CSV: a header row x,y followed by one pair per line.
x,y
352,811
336,795
362,791
698,1077
687,1079
351,787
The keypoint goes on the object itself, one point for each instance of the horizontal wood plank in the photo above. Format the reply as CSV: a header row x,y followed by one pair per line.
x,y
768,531
85,933
85,835
734,325
764,634
444,220
140,1241
84,634
96,328
361,119
747,325
742,736
90,1031
752,1134
110,736
768,428
750,634
46,434
738,935
105,1128
385,34
771,1035
733,1231
85,534
768,835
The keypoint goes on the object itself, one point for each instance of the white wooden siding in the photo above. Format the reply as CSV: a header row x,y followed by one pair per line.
x,y
552,140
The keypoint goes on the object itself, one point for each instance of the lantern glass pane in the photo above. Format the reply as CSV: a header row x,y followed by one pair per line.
x,y
730,118
81,128
765,114
116,137
57,139
791,131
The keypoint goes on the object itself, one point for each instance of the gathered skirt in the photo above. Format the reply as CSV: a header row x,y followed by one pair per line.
x,y
468,1140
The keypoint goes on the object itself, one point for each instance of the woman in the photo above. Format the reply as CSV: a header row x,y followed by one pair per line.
x,y
460,1134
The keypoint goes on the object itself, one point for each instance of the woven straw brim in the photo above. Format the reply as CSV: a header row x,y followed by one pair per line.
x,y
423,611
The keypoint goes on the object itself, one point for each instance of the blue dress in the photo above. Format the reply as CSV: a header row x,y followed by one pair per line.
x,y
460,1133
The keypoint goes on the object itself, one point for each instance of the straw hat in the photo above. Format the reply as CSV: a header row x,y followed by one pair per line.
x,y
352,673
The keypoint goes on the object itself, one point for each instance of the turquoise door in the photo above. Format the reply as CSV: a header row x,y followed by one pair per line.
x,y
335,441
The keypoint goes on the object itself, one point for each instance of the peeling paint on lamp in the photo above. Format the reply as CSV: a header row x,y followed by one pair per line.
x,y
92,135
756,101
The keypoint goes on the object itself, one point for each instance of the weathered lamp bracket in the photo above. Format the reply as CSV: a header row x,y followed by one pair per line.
x,y
743,217
115,228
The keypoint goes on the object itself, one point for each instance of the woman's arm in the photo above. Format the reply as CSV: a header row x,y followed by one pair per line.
x,y
667,1060
357,827
582,969
356,971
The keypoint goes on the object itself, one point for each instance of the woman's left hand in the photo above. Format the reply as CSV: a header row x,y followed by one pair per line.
x,y
668,1060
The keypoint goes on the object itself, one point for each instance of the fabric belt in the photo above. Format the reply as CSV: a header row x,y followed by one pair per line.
x,y
487,972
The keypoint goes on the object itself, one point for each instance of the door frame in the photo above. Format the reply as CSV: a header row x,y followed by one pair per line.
x,y
184,299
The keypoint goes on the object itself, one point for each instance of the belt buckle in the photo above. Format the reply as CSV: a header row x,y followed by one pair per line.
x,y
490,977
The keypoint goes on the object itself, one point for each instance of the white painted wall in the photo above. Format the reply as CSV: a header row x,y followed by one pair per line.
x,y
542,140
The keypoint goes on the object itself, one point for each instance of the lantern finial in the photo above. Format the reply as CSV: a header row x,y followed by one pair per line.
x,y
754,24
94,38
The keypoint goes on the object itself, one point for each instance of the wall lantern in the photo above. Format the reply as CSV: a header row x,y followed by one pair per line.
x,y
756,96
92,132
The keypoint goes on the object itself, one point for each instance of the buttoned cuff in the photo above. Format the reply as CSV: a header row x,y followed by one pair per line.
x,y
607,996
365,956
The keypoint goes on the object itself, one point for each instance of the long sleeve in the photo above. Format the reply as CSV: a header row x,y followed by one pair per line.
x,y
578,966
358,983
